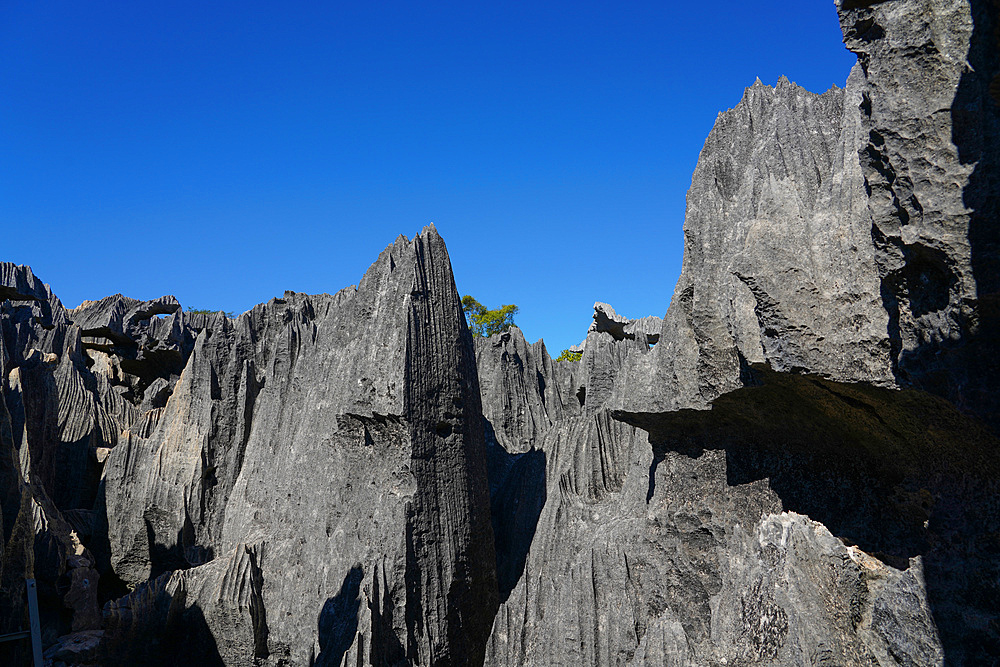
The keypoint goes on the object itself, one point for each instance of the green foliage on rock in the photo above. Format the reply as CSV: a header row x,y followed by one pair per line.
x,y
486,322
566,355
202,311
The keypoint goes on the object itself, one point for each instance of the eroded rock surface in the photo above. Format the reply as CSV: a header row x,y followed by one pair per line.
x,y
797,465
931,116
339,438
523,390
849,530
779,499
305,484
778,259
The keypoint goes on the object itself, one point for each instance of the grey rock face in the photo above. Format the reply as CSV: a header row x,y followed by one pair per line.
x,y
527,399
67,400
523,390
19,286
787,469
118,318
303,485
931,118
18,283
806,520
130,342
339,437
606,320
662,539
778,259
211,615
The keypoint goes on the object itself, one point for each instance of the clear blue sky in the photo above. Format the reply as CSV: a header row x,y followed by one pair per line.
x,y
226,151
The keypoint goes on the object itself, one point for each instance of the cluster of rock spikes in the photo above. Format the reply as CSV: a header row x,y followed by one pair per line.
x,y
797,465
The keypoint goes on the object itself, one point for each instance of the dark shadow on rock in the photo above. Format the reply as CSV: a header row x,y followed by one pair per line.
x,y
163,558
517,496
898,473
386,649
110,585
14,564
154,627
414,607
67,470
976,132
338,620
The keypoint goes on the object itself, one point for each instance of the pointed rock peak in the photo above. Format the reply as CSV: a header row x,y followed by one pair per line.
x,y
432,239
428,232
757,88
429,235
392,252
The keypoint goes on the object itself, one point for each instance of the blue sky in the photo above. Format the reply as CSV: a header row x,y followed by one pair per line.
x,y
224,152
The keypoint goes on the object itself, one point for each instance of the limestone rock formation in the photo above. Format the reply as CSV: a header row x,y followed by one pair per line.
x,y
523,390
798,464
778,264
606,320
930,113
611,339
339,438
804,512
851,234
528,399
304,484
854,528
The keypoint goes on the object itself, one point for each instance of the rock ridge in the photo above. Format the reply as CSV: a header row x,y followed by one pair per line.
x,y
798,464
304,484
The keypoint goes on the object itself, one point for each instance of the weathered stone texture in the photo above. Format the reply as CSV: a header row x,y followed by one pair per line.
x,y
524,392
342,436
673,548
778,259
798,464
303,484
849,236
931,117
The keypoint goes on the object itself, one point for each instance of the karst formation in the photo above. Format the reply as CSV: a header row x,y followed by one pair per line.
x,y
798,464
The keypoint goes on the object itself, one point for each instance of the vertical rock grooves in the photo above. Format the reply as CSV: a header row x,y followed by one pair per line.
x,y
778,262
788,469
523,390
797,521
305,484
342,436
792,504
451,582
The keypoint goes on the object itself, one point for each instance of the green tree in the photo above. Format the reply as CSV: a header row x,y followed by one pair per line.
x,y
569,356
486,322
